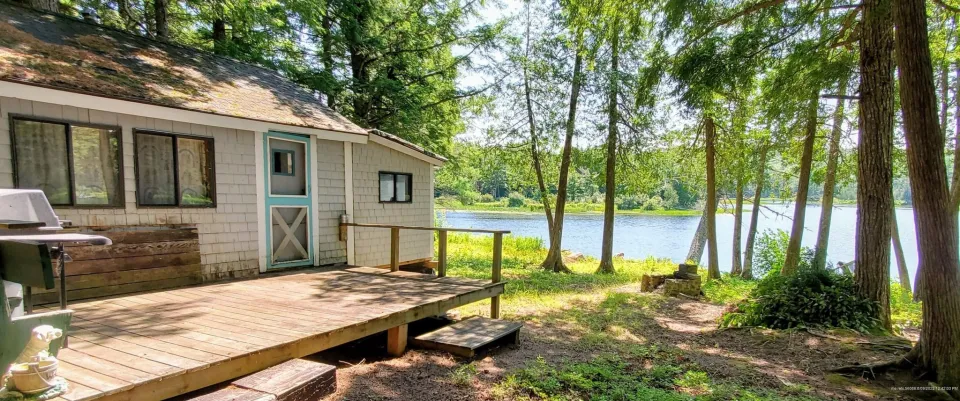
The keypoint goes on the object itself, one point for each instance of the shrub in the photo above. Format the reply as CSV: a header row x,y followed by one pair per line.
x,y
654,203
809,297
487,198
631,202
468,198
771,250
516,199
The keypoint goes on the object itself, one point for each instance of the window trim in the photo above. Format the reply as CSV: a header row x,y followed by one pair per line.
x,y
68,125
211,161
394,198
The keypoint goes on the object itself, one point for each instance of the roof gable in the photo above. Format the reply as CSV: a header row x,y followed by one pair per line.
x,y
68,54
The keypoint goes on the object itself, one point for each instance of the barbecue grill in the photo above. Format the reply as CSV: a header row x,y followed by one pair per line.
x,y
26,216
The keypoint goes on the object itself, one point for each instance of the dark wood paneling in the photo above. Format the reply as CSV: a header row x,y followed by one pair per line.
x,y
140,259
124,250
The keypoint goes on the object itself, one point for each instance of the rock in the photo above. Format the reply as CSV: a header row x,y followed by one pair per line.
x,y
574,257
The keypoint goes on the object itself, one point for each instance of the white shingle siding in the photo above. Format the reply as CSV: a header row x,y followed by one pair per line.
x,y
373,244
331,200
228,233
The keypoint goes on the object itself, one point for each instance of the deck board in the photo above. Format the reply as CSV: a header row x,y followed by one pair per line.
x,y
152,346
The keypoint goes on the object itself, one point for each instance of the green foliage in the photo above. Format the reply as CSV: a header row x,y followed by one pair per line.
x,y
516,199
487,198
463,375
903,311
809,297
771,250
729,290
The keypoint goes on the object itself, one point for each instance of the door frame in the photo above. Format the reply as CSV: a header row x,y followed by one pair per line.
x,y
271,202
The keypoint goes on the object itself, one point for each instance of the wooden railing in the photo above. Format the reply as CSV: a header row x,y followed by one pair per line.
x,y
442,251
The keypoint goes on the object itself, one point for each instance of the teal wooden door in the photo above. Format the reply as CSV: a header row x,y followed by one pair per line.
x,y
289,200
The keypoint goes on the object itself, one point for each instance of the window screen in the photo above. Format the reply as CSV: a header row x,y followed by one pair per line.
x,y
174,171
72,164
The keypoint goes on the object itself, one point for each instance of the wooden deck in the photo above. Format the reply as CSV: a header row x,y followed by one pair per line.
x,y
157,345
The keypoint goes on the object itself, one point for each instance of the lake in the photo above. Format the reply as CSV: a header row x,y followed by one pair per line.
x,y
640,236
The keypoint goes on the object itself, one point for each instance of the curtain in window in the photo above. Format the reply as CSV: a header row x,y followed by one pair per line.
x,y
193,159
155,170
386,187
42,162
403,188
96,166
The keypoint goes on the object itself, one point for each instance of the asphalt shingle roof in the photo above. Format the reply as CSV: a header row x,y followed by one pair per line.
x,y
61,52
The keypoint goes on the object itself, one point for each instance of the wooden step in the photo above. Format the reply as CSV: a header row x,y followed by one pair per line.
x,y
293,380
465,337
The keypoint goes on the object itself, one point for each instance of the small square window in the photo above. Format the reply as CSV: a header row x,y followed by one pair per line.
x,y
396,187
284,162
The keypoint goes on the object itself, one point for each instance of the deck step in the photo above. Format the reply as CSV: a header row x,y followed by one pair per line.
x,y
465,337
293,380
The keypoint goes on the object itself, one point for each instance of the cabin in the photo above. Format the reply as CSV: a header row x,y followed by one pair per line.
x,y
204,170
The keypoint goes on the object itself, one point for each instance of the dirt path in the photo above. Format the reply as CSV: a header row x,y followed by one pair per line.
x,y
791,360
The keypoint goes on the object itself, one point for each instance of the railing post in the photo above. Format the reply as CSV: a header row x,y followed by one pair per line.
x,y
442,253
394,249
497,264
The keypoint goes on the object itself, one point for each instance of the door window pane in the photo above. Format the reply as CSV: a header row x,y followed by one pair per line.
x,y
193,158
42,159
289,175
403,188
96,160
387,187
155,170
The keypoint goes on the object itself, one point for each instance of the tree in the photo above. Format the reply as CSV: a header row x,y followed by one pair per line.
x,y
936,219
737,265
755,213
534,151
713,261
554,260
792,258
875,164
613,120
830,181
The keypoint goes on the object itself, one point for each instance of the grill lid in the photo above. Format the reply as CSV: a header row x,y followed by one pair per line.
x,y
27,205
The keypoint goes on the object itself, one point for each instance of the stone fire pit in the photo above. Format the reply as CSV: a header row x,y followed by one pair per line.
x,y
684,281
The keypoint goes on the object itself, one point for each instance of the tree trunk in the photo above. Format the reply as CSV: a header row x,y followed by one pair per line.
x,y
326,44
792,258
754,216
699,241
713,261
606,251
219,36
902,272
874,167
737,267
554,260
160,10
534,151
936,220
955,187
830,182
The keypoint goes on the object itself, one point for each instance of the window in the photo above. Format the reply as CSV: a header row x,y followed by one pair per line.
x,y
396,187
174,170
73,164
284,162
